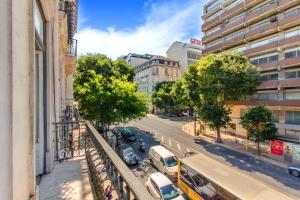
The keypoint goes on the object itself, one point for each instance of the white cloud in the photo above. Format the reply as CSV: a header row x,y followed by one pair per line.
x,y
164,24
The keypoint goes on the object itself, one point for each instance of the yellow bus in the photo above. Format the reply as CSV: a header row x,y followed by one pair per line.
x,y
202,178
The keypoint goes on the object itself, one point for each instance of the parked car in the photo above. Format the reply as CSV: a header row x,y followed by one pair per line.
x,y
164,160
294,170
128,134
128,155
160,187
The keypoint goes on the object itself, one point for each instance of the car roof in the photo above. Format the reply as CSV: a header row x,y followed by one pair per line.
x,y
160,179
162,151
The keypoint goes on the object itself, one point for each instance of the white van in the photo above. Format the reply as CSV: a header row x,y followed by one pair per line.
x,y
164,160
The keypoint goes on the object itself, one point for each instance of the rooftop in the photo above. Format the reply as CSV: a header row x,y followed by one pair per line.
x,y
160,179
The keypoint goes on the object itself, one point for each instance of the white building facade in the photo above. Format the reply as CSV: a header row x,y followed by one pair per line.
x,y
185,53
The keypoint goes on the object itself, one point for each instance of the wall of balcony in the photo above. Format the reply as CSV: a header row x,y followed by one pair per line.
x,y
232,11
211,23
233,42
289,41
290,62
268,85
211,36
262,31
283,103
285,4
289,21
262,13
289,83
251,3
212,49
268,66
233,26
261,49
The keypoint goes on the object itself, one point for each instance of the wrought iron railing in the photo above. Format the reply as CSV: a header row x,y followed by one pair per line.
x,y
103,159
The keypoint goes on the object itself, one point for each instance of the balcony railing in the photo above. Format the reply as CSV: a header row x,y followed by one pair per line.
x,y
288,83
102,158
261,13
211,49
289,21
290,62
211,23
232,11
211,36
251,3
284,103
285,4
233,25
273,84
268,66
264,48
261,31
233,41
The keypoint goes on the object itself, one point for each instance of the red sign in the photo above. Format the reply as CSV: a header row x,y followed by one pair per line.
x,y
195,41
277,148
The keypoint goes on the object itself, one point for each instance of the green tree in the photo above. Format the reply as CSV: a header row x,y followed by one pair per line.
x,y
217,78
258,121
104,91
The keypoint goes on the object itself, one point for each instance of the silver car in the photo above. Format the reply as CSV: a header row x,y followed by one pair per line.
x,y
294,170
128,155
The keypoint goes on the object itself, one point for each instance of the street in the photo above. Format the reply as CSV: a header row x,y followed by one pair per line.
x,y
167,131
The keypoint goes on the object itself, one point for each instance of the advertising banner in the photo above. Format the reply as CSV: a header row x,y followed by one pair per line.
x,y
277,148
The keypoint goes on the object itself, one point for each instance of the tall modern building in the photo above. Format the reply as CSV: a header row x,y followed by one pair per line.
x,y
268,32
185,53
154,71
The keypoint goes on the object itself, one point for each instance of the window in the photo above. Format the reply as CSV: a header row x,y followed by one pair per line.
x,y
213,5
275,116
292,33
260,25
213,30
272,95
264,42
235,18
213,16
161,62
292,117
292,94
293,134
213,43
269,77
241,49
291,75
266,59
193,55
262,7
292,12
292,53
233,35
231,5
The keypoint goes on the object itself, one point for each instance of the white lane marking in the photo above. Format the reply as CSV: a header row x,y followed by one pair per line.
x,y
188,150
178,146
162,139
170,143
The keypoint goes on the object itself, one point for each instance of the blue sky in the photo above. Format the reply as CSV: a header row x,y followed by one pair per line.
x,y
119,27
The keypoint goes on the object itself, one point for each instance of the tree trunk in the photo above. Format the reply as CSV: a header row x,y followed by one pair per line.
x,y
195,126
258,149
219,140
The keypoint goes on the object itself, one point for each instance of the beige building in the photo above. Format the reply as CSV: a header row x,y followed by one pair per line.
x,y
134,59
38,54
268,32
154,71
185,53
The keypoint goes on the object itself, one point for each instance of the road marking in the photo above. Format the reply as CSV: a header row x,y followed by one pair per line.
x,y
170,143
162,139
188,150
178,146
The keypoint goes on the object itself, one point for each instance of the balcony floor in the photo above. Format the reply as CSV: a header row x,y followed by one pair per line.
x,y
69,180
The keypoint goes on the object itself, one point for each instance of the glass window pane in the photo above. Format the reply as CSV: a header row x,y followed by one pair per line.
x,y
291,34
273,58
289,95
263,60
273,77
289,75
38,21
291,54
290,13
292,117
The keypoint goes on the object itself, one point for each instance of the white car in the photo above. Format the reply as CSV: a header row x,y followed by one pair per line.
x,y
160,187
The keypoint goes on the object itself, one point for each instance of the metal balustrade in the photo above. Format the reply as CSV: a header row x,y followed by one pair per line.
x,y
105,164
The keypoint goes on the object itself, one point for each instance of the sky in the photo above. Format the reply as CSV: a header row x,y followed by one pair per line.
x,y
119,27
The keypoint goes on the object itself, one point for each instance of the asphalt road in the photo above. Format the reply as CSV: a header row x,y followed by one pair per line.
x,y
167,131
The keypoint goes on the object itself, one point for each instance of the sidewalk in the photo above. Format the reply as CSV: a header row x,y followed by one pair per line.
x,y
236,144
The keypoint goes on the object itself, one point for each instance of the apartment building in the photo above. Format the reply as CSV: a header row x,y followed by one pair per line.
x,y
185,53
38,54
154,71
134,59
268,32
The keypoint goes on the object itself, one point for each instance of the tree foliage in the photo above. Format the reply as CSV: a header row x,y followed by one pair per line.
x,y
217,78
258,121
105,91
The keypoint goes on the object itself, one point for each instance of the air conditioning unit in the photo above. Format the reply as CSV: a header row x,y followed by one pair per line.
x,y
273,19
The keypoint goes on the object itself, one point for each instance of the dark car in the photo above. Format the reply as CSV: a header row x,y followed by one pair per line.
x,y
128,155
128,134
294,170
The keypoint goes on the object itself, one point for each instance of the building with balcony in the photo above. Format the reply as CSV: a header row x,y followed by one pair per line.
x,y
185,53
156,70
38,55
268,32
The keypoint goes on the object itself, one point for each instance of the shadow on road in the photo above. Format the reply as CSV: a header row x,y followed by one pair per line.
x,y
250,164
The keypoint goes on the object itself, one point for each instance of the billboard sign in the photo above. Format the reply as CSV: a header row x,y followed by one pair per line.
x,y
196,41
296,153
277,148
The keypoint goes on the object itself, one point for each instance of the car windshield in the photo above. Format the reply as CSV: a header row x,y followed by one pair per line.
x,y
128,151
171,161
128,132
169,192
